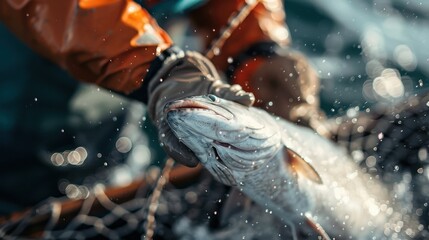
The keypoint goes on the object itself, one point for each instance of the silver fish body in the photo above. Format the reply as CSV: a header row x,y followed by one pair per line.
x,y
248,148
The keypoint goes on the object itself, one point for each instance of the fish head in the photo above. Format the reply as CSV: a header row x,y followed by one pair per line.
x,y
228,138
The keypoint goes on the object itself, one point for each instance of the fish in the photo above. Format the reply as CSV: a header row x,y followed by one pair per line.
x,y
305,180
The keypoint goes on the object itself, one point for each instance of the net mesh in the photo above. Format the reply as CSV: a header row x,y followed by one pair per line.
x,y
111,213
96,216
392,144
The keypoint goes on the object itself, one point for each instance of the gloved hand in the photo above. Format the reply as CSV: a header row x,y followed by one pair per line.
x,y
183,75
283,82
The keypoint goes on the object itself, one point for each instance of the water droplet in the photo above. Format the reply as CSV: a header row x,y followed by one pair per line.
x,y
357,155
270,103
72,191
74,158
371,161
123,145
423,154
57,159
35,99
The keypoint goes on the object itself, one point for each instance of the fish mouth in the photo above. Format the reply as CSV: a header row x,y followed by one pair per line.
x,y
188,105
184,105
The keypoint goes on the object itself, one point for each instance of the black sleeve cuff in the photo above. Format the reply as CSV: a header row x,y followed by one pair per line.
x,y
260,49
141,94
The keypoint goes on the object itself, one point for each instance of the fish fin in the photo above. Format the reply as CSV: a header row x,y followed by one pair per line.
x,y
316,227
235,203
302,167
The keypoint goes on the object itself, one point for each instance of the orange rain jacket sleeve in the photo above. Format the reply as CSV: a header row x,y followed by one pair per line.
x,y
107,42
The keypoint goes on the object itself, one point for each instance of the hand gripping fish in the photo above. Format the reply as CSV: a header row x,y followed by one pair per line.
x,y
304,179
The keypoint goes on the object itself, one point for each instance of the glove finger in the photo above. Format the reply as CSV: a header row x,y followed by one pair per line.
x,y
245,98
236,94
236,88
177,150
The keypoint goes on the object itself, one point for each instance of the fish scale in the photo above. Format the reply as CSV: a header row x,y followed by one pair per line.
x,y
267,181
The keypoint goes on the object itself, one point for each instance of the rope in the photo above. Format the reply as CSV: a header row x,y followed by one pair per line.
x,y
233,22
154,201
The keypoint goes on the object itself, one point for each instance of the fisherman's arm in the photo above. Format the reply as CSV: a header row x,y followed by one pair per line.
x,y
117,45
257,56
107,42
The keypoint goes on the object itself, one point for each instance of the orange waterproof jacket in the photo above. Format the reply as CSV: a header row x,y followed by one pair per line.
x,y
112,42
107,42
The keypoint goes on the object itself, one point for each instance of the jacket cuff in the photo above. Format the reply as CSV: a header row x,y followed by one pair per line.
x,y
142,94
257,50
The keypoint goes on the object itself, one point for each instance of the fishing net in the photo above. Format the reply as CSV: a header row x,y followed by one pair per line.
x,y
189,207
385,139
392,143
118,212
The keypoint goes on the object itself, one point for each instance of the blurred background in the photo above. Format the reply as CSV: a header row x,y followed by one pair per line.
x,y
365,52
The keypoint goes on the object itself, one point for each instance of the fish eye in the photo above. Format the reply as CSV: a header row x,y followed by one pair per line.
x,y
213,98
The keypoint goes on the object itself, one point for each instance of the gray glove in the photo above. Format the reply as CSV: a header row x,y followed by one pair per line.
x,y
183,75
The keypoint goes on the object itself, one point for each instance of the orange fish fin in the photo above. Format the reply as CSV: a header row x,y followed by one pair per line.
x,y
302,167
316,227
